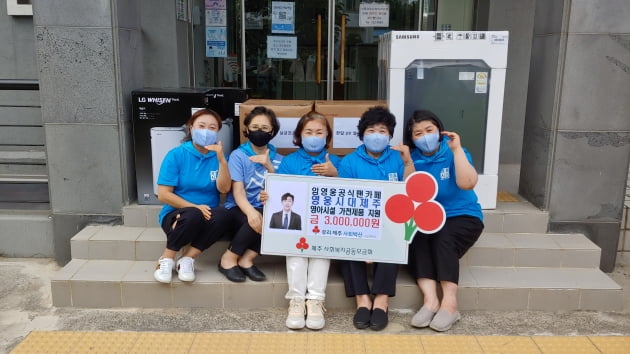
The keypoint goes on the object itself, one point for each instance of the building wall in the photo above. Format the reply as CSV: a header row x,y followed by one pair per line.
x,y
27,233
89,55
517,17
165,45
576,145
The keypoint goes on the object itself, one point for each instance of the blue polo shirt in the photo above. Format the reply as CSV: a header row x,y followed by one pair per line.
x,y
192,175
441,165
251,174
300,162
358,164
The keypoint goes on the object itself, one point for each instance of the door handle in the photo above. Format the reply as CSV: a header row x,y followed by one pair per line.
x,y
318,61
342,50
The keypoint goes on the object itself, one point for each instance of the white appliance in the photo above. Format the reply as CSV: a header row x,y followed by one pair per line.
x,y
163,139
460,76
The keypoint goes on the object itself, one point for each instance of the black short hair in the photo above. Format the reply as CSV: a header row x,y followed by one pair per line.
x,y
273,120
376,115
417,117
285,196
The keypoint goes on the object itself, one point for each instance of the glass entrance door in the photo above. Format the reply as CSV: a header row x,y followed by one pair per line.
x,y
310,49
285,46
358,24
318,49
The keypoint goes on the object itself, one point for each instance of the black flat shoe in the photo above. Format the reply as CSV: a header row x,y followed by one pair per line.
x,y
361,318
233,274
254,273
379,319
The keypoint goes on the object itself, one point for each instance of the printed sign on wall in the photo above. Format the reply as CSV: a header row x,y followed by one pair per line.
x,y
351,219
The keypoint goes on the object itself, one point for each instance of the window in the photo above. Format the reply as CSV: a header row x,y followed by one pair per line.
x,y
19,8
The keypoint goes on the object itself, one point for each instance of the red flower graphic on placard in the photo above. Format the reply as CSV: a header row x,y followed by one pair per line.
x,y
316,229
302,245
417,209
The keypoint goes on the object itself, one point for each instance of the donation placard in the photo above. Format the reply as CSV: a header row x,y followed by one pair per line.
x,y
352,219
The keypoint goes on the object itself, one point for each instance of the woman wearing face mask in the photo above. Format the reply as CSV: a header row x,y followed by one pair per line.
x,y
307,277
191,177
248,166
375,160
435,258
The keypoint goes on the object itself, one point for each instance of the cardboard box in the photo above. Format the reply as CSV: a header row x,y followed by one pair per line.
x,y
288,112
344,116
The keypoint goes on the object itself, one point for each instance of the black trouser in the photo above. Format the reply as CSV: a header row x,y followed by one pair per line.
x,y
355,278
191,227
244,236
437,256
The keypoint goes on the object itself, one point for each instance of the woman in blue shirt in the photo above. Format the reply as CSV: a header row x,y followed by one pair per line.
x,y
307,277
375,160
434,259
191,177
248,164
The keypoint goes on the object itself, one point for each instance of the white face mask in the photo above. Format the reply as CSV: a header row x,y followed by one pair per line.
x,y
428,142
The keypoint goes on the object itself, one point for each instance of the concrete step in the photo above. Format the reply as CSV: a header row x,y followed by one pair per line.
x,y
26,233
492,249
125,283
516,217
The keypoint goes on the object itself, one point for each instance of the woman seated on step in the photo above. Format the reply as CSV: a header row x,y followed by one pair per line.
x,y
249,163
191,178
434,259
374,160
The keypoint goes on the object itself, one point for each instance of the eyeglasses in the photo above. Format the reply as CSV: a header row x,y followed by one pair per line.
x,y
264,128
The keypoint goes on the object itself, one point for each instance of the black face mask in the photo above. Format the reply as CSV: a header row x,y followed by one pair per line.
x,y
259,137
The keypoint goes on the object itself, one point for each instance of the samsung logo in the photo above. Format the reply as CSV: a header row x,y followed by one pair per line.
x,y
407,36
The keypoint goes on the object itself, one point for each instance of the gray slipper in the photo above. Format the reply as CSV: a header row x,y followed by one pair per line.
x,y
422,318
443,320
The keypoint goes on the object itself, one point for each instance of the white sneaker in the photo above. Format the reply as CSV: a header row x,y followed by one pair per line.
x,y
315,314
295,319
186,269
164,270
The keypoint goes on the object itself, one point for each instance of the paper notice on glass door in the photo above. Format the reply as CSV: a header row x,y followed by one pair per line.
x,y
282,17
282,47
216,18
373,15
215,4
216,42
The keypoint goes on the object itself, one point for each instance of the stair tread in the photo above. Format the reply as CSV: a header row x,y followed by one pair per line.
x,y
30,156
486,240
470,276
107,284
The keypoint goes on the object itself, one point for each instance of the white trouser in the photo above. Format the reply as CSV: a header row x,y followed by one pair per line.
x,y
307,278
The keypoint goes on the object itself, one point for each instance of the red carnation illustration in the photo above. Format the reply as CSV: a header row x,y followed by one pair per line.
x,y
417,209
302,245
